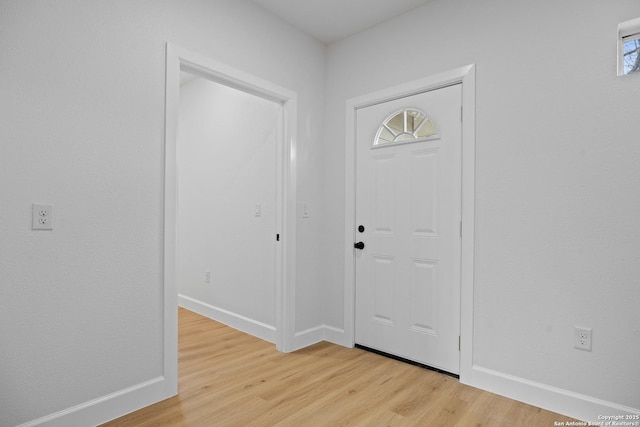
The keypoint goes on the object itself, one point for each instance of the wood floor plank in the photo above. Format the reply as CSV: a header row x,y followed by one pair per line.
x,y
228,378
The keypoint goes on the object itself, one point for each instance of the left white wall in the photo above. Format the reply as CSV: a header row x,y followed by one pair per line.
x,y
81,125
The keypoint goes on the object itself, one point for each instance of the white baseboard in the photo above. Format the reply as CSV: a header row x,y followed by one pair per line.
x,y
106,408
236,321
336,336
565,402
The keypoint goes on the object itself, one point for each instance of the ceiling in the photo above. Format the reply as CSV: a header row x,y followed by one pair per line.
x,y
332,20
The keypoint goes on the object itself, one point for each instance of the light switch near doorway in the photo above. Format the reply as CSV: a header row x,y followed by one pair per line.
x,y
258,210
306,210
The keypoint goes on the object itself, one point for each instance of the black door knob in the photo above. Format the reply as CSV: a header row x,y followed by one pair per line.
x,y
359,245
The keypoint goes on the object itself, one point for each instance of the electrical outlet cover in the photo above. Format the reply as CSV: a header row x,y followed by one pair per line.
x,y
41,217
582,338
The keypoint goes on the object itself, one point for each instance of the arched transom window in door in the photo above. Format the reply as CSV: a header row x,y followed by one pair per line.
x,y
405,126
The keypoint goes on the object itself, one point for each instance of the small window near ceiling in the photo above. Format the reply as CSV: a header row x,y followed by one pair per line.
x,y
408,125
629,47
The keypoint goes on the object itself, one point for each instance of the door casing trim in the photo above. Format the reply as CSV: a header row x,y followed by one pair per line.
x,y
465,76
178,59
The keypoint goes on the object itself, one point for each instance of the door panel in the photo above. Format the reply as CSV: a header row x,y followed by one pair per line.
x,y
408,197
423,181
424,296
383,306
384,182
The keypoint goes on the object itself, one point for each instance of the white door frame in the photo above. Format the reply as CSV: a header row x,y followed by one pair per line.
x,y
178,59
466,76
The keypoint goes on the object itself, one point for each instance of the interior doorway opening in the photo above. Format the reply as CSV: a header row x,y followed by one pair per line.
x,y
228,213
179,60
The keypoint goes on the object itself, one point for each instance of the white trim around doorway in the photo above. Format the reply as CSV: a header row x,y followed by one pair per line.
x,y
177,60
465,76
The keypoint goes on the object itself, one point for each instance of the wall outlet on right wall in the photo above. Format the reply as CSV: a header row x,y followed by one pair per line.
x,y
582,338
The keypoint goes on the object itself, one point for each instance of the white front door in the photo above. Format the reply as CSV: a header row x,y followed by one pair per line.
x,y
408,206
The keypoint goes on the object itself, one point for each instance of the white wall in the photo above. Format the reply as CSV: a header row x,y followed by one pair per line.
x,y
556,180
81,125
226,154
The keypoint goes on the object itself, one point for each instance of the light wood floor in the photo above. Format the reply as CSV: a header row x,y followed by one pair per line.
x,y
228,378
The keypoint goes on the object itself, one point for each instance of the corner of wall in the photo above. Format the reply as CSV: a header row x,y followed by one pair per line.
x,y
317,334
